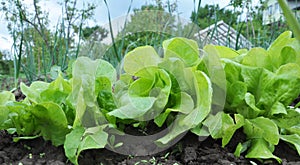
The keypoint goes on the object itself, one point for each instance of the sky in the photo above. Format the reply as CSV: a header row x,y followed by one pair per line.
x,y
117,9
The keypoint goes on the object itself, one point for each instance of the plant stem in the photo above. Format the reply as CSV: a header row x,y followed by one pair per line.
x,y
290,18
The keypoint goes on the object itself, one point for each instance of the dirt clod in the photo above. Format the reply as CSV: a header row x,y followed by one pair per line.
x,y
189,154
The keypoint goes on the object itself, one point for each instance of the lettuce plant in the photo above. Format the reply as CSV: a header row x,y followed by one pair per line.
x,y
261,84
178,89
80,112
149,87
42,113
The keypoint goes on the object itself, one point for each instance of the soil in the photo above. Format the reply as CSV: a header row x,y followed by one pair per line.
x,y
191,150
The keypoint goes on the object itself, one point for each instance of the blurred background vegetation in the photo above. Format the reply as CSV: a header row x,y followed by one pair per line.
x,y
39,51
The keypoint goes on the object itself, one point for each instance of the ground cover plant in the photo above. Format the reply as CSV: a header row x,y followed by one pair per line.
x,y
88,110
261,84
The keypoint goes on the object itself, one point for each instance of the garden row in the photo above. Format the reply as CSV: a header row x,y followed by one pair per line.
x,y
215,93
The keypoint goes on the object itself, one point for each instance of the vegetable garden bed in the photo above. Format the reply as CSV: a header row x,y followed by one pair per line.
x,y
189,151
242,98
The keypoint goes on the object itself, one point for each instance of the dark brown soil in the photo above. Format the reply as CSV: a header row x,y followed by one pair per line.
x,y
18,94
190,150
296,101
7,83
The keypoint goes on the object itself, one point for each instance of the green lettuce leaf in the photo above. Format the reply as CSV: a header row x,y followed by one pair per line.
x,y
257,57
185,122
139,58
223,52
204,99
6,96
229,126
268,93
184,104
262,127
280,54
82,139
51,122
33,93
261,149
223,126
182,75
133,107
57,91
3,116
236,94
290,122
146,97
241,147
85,90
185,49
161,118
283,87
288,55
293,139
20,120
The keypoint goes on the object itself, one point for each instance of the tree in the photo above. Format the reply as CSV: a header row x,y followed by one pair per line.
x,y
149,25
252,26
33,40
95,33
75,18
210,14
19,22
5,64
91,45
150,18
